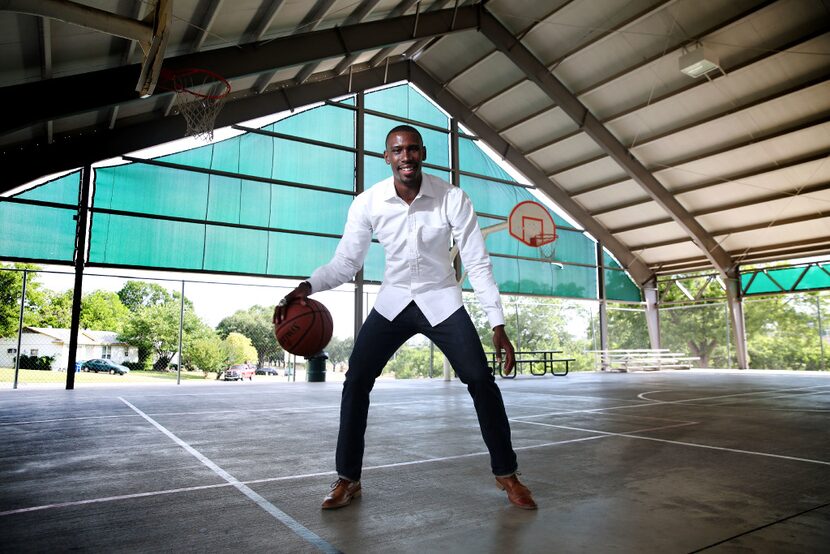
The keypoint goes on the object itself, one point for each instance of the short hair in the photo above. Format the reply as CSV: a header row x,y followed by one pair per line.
x,y
403,129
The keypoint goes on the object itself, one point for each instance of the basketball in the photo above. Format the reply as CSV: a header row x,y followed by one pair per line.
x,y
306,330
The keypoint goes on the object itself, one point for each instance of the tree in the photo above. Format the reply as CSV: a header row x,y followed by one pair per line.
x,y
239,349
627,328
207,353
530,324
154,330
103,311
782,331
256,324
339,350
138,294
414,362
11,289
56,311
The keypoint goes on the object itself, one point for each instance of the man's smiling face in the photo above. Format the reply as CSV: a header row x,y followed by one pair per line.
x,y
405,152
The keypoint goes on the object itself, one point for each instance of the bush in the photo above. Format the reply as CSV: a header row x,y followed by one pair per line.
x,y
135,366
40,363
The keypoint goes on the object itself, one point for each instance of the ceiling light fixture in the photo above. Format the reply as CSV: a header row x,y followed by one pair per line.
x,y
699,62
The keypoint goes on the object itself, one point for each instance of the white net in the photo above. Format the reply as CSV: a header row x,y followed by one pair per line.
x,y
200,96
546,244
199,112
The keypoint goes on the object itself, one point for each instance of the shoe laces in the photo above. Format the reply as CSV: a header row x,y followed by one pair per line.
x,y
338,481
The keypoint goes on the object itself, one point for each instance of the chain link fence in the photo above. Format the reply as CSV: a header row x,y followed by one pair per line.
x,y
137,329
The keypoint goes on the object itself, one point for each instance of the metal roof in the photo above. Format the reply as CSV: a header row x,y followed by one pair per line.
x,y
585,97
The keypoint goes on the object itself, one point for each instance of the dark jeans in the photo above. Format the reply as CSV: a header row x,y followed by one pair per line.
x,y
457,338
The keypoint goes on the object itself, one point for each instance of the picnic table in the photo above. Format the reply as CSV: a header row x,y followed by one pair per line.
x,y
642,359
539,362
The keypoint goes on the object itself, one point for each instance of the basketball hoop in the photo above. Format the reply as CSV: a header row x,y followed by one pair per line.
x,y
546,243
200,96
532,224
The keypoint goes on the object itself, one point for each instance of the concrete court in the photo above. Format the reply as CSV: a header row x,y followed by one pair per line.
x,y
664,462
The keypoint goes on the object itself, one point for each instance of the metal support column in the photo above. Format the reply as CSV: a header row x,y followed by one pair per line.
x,y
80,258
652,296
603,305
20,328
736,315
181,336
359,176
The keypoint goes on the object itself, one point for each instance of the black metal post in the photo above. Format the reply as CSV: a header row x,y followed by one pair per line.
x,y
20,328
80,258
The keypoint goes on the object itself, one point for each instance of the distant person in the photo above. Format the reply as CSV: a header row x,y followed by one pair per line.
x,y
414,216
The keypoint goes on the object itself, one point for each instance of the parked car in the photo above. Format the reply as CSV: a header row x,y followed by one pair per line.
x,y
239,372
104,366
267,371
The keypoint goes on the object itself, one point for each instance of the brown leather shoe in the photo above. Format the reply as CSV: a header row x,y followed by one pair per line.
x,y
342,492
518,494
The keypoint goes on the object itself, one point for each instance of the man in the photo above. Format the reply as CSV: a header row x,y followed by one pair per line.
x,y
414,216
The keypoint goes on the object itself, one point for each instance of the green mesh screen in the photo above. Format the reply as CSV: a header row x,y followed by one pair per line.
x,y
571,246
198,246
404,101
146,189
471,158
491,197
325,123
542,278
63,190
618,286
786,279
436,142
608,261
496,198
233,220
137,241
37,232
273,158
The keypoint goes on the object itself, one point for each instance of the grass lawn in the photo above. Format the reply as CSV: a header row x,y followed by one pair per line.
x,y
59,377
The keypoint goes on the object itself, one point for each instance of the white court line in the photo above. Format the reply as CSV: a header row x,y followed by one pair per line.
x,y
110,499
599,435
630,435
731,395
652,403
610,416
608,433
295,526
241,410
724,449
284,478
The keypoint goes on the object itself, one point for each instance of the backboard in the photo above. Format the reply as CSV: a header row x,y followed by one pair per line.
x,y
532,224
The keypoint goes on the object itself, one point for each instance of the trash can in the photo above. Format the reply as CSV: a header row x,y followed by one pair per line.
x,y
316,367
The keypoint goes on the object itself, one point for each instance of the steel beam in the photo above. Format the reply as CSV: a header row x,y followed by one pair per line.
x,y
537,73
109,87
36,160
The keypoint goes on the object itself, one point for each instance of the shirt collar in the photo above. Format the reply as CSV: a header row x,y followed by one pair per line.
x,y
427,188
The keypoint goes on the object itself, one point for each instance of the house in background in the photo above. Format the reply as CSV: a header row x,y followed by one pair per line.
x,y
46,341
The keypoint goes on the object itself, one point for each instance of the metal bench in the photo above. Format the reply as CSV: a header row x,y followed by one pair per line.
x,y
540,362
642,359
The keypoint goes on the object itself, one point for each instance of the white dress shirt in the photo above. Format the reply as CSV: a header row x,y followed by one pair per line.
x,y
416,239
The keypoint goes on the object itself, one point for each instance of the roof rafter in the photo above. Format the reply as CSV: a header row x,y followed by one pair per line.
x,y
559,93
41,159
114,86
